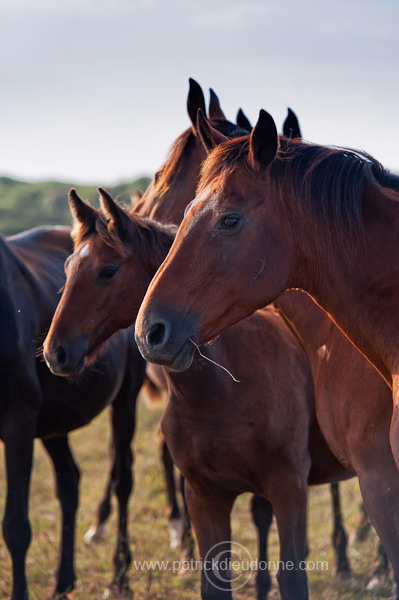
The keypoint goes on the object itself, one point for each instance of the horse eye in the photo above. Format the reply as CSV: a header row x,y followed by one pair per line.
x,y
230,222
107,272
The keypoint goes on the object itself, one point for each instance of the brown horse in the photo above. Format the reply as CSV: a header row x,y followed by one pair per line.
x,y
35,403
210,428
311,217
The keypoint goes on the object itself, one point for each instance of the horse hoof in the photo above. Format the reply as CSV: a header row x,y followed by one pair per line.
x,y
94,534
374,584
116,592
342,575
63,596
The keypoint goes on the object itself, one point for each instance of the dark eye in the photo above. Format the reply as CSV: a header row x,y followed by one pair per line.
x,y
230,222
107,272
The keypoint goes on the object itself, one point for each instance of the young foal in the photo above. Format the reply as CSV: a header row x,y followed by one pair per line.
x,y
35,403
311,217
209,424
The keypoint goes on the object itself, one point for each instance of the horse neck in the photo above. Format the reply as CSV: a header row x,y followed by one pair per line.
x,y
307,321
359,289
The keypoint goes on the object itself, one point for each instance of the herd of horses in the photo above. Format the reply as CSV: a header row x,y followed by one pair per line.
x,y
237,218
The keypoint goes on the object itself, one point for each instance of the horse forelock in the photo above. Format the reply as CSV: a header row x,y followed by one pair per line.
x,y
148,239
224,159
181,149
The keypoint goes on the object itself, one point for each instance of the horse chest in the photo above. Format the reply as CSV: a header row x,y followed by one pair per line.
x,y
227,456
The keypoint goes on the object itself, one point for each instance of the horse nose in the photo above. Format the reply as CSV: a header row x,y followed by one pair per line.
x,y
163,336
158,335
61,356
66,358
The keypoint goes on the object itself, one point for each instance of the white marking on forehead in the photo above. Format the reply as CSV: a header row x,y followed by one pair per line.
x,y
85,251
204,194
208,201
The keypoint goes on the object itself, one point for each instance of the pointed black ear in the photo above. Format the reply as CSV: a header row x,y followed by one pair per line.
x,y
263,142
118,221
209,136
215,112
81,211
243,122
291,127
195,101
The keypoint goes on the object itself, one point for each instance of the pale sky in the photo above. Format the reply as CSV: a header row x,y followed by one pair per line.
x,y
95,90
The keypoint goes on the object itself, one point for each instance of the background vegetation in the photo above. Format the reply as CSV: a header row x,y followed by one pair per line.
x,y
24,205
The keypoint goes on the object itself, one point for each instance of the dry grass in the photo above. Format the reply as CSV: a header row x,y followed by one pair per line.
x,y
149,533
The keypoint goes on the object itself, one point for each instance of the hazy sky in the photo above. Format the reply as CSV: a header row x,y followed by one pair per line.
x,y
95,90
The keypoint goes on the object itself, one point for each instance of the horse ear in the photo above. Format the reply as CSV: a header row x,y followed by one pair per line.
x,y
195,101
135,197
243,122
263,141
116,217
81,211
209,136
291,127
215,112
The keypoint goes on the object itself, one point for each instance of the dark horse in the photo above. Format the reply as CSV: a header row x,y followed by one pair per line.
x,y
216,432
271,215
35,403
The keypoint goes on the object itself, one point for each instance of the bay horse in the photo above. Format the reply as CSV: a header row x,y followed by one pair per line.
x,y
131,248
275,214
174,185
35,403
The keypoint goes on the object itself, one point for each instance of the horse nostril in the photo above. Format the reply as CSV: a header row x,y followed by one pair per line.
x,y
61,355
156,335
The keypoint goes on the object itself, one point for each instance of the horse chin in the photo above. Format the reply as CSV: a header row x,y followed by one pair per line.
x,y
183,359
70,370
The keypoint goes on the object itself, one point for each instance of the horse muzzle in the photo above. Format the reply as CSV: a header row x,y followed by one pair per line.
x,y
66,359
166,340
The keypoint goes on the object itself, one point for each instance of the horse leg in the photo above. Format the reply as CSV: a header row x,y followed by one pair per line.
x,y
174,514
381,572
210,510
17,432
262,515
380,490
364,526
187,538
289,506
123,427
96,530
339,537
67,480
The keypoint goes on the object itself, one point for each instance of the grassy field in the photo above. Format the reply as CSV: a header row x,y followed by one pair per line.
x,y
149,533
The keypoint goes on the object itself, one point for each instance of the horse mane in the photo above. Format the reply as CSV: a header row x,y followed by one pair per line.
x,y
177,154
174,163
329,181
